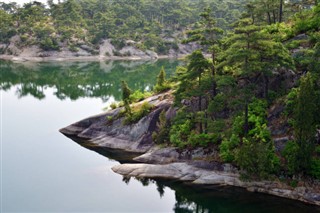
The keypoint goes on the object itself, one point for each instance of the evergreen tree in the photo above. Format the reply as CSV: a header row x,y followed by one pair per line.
x,y
126,92
161,78
207,35
304,122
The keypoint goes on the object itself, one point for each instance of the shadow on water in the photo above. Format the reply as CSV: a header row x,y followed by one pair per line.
x,y
76,80
112,154
208,198
199,199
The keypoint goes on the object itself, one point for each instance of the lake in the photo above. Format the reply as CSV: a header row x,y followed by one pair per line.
x,y
44,171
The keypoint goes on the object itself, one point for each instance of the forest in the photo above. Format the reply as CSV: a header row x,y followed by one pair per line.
x,y
256,97
156,25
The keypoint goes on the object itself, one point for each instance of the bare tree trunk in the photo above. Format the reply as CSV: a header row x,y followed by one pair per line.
x,y
266,87
280,11
274,17
269,18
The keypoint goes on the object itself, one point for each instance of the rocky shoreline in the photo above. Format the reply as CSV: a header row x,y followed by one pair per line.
x,y
83,58
14,51
151,161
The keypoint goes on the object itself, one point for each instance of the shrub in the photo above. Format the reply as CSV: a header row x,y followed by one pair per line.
x,y
48,44
290,101
118,43
109,119
73,48
202,139
227,148
138,113
162,134
139,96
162,88
290,154
179,133
315,168
257,159
113,105
162,84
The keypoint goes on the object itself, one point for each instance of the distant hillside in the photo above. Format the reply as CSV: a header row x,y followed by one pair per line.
x,y
81,26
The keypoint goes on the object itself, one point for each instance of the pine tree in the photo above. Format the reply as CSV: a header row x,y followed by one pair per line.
x,y
304,121
207,35
161,78
197,65
253,55
126,92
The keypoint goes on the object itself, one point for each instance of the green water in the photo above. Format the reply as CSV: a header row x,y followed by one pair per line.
x,y
43,171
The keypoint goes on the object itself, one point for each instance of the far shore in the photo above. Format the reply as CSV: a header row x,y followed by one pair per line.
x,y
81,58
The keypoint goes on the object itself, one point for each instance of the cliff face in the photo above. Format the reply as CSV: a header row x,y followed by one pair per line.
x,y
133,144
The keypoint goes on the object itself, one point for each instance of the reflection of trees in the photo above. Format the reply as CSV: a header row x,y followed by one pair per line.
x,y
78,79
197,199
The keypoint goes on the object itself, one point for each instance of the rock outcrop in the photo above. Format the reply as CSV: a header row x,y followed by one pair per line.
x,y
194,175
107,135
98,132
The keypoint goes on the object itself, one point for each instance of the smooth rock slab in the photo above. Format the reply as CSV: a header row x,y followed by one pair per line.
x,y
187,173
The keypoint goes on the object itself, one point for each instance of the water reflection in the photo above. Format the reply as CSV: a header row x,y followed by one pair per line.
x,y
208,199
76,80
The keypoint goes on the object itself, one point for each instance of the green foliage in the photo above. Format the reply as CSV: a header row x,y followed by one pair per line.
x,y
257,158
202,139
254,152
290,101
280,31
162,134
126,91
290,154
113,105
227,148
138,113
94,20
304,123
307,20
315,168
162,84
49,44
138,96
180,130
161,79
179,133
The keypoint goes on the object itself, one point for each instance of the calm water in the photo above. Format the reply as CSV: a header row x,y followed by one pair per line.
x,y
43,171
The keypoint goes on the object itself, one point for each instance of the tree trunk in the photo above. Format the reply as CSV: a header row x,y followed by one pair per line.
x,y
214,85
206,116
199,105
269,18
266,87
274,16
280,11
246,119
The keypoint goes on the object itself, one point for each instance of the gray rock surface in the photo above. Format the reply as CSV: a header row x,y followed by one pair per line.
x,y
137,137
195,166
189,173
